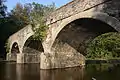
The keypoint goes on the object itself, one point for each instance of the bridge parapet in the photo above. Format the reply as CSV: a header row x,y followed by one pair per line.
x,y
72,8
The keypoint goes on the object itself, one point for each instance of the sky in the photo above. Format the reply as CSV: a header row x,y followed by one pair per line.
x,y
11,3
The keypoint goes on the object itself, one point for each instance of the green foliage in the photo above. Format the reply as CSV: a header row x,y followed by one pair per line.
x,y
20,14
34,14
3,8
40,32
104,46
7,46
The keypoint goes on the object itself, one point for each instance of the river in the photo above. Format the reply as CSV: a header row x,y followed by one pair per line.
x,y
13,71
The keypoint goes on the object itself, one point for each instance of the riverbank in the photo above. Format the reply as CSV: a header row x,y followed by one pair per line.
x,y
89,61
3,60
98,61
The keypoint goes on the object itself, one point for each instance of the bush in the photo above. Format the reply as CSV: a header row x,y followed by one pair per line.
x,y
104,46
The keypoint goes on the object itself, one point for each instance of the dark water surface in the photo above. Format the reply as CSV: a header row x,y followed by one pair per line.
x,y
12,71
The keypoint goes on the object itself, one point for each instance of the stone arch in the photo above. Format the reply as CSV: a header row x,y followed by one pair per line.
x,y
104,17
26,37
25,41
20,37
15,48
33,44
11,43
13,51
77,34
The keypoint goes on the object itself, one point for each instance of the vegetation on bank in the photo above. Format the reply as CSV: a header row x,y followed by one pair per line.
x,y
105,46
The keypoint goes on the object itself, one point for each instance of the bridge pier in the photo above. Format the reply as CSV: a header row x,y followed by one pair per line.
x,y
28,58
61,60
20,58
23,57
11,57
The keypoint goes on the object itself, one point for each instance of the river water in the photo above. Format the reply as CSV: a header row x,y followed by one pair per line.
x,y
13,71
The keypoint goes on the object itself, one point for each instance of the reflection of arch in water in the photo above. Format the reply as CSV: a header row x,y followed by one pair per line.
x,y
31,44
15,48
77,73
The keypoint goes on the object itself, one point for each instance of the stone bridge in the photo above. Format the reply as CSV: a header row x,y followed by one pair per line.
x,y
17,43
19,38
22,48
71,27
80,12
75,24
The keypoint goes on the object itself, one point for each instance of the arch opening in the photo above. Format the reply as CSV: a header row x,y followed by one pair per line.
x,y
31,50
15,48
32,46
76,35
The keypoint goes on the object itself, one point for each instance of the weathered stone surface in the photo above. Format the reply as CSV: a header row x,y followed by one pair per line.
x,y
65,52
111,8
30,50
20,58
28,58
103,10
78,6
61,60
106,11
11,57
45,61
20,37
72,8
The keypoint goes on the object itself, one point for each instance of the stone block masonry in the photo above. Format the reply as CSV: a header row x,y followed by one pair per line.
x,y
28,58
61,60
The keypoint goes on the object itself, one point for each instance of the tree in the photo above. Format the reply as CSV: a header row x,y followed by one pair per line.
x,y
3,8
38,17
34,14
20,14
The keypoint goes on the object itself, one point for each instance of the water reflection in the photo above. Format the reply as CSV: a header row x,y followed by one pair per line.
x,y
7,71
27,72
12,71
103,71
62,74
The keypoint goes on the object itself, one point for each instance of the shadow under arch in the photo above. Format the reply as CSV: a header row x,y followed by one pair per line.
x,y
15,48
32,46
104,17
75,35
